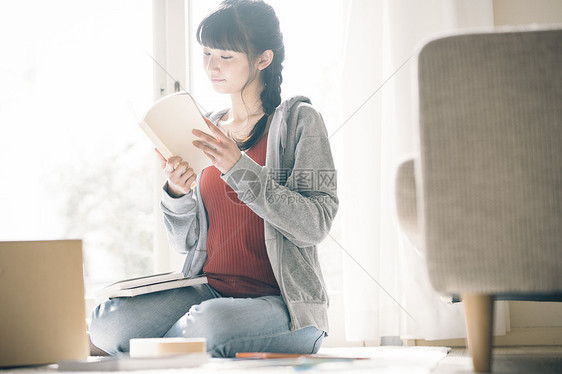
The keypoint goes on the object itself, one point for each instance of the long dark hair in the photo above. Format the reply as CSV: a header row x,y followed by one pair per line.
x,y
250,27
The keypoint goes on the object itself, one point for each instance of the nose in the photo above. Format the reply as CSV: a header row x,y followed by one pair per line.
x,y
212,64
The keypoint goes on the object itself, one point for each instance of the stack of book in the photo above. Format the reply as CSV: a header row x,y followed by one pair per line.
x,y
152,283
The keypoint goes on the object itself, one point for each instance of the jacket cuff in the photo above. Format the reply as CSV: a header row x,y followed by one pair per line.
x,y
176,204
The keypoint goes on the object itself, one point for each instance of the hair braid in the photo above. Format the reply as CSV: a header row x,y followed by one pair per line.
x,y
272,78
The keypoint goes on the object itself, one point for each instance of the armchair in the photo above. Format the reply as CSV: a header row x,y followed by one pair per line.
x,y
483,198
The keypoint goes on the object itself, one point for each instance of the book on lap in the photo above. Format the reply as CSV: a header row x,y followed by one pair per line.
x,y
148,284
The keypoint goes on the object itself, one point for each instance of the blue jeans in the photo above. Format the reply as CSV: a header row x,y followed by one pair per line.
x,y
230,325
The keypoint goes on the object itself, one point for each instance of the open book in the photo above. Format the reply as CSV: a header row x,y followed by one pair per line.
x,y
152,283
168,124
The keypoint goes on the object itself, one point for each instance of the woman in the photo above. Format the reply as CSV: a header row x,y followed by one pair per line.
x,y
253,219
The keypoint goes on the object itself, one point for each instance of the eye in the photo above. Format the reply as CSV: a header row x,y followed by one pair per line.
x,y
226,57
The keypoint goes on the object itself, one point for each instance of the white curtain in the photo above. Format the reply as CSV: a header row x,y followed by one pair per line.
x,y
386,289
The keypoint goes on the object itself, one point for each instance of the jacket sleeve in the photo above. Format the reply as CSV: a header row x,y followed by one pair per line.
x,y
180,219
303,206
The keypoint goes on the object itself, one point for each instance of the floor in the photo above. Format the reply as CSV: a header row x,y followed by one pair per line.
x,y
513,360
419,360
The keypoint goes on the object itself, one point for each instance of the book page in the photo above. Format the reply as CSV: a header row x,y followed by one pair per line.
x,y
169,122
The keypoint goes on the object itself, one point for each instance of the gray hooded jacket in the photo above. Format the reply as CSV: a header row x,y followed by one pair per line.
x,y
295,194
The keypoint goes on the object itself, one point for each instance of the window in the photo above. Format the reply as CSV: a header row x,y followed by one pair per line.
x,y
74,79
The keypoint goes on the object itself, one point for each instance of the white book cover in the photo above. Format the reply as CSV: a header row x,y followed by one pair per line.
x,y
150,287
128,363
141,281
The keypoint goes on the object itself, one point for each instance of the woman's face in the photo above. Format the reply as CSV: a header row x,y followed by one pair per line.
x,y
228,71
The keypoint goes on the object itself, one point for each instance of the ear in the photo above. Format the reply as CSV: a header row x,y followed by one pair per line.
x,y
265,59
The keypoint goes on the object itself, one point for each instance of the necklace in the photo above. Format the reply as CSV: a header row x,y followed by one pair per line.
x,y
244,131
255,134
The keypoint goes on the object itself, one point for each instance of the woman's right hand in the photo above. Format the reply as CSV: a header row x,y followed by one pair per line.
x,y
180,175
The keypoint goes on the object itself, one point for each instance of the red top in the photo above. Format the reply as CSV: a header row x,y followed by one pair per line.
x,y
237,264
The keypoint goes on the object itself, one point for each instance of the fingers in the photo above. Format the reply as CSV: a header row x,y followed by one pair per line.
x,y
205,146
181,187
210,139
215,131
180,175
179,170
162,159
218,147
173,163
210,124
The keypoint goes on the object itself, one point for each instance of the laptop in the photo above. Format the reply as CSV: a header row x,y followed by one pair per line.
x,y
42,311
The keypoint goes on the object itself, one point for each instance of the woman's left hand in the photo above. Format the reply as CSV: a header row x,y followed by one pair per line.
x,y
221,150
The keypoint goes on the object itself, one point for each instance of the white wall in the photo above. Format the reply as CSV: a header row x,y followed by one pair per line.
x,y
521,12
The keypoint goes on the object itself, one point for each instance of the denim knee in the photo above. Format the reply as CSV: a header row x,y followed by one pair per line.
x,y
206,320
117,320
235,325
105,335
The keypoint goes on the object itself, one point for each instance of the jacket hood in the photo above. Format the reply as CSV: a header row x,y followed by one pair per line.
x,y
281,113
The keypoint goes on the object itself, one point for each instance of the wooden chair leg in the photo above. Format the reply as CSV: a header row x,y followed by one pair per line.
x,y
479,315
